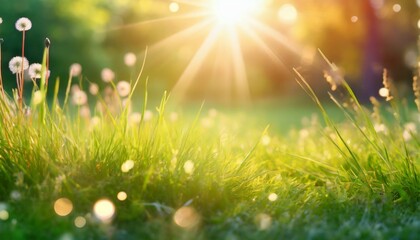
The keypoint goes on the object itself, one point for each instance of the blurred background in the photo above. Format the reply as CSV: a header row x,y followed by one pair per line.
x,y
361,37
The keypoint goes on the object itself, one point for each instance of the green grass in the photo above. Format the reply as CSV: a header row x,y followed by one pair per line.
x,y
255,173
333,179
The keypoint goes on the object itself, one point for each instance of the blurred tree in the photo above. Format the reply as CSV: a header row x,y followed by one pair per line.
x,y
360,36
74,27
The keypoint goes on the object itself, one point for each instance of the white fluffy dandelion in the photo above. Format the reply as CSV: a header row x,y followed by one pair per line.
x,y
75,69
94,89
35,70
23,24
107,75
148,115
15,64
79,98
123,88
135,118
1,20
130,59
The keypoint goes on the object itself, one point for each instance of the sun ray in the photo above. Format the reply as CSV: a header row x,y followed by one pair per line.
x,y
273,34
262,45
196,14
194,3
181,35
194,66
240,75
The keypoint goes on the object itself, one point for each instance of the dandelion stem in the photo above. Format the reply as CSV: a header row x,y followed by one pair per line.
x,y
22,74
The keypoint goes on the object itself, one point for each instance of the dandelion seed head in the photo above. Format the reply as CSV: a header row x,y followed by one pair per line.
x,y
130,59
15,195
15,64
122,196
107,75
84,112
272,197
80,222
127,166
411,127
1,20
135,118
148,115
74,88
23,24
104,210
407,135
35,70
63,207
189,167
75,69
123,88
94,89
79,98
380,128
94,122
186,217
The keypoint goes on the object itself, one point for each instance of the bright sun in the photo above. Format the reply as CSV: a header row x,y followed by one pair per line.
x,y
234,11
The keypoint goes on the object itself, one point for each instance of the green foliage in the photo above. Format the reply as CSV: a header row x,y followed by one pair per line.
x,y
340,180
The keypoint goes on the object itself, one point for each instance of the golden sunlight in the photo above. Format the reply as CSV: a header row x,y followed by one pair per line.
x,y
288,13
234,11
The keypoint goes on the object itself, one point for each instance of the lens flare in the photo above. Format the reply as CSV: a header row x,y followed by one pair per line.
x,y
104,210
234,11
122,196
80,222
288,13
63,207
186,217
272,197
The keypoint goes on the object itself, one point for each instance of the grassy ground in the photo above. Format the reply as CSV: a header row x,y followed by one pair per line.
x,y
216,175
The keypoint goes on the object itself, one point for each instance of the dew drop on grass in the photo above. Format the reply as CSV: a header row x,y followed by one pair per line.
x,y
63,207
104,210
